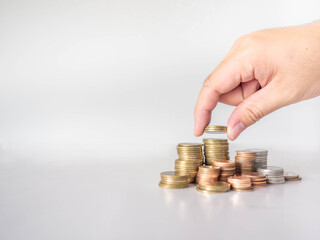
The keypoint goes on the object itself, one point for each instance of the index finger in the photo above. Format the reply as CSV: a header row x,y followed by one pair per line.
x,y
226,77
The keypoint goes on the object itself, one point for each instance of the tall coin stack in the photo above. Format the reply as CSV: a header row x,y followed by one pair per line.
x,y
261,159
245,161
274,174
190,158
227,169
216,150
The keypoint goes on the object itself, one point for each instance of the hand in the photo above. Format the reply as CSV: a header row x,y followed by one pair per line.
x,y
263,71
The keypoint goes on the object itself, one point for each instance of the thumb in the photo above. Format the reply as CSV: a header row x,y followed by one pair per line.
x,y
253,108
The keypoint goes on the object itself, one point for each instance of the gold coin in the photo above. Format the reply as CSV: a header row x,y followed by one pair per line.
x,y
174,182
173,175
190,145
206,191
172,186
216,186
215,129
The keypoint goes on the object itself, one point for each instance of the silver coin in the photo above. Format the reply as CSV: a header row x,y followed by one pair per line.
x,y
291,174
271,169
274,181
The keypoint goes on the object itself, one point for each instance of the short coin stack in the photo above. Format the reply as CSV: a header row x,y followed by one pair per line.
x,y
244,161
171,180
227,169
261,159
240,183
274,174
216,149
258,180
207,175
290,176
215,187
190,158
215,129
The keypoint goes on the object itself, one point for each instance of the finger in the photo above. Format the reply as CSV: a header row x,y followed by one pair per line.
x,y
248,88
233,97
223,79
252,109
237,95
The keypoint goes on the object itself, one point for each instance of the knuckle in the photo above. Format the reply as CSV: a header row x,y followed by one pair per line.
x,y
253,113
248,40
207,82
210,81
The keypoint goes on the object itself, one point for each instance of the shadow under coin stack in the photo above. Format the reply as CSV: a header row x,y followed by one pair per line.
x,y
171,180
227,169
274,174
240,183
245,161
215,187
190,158
207,175
258,180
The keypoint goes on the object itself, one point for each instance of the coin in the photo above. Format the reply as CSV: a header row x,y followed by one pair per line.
x,y
215,186
248,189
215,129
172,186
190,158
227,169
290,176
207,174
207,191
273,181
216,149
261,157
294,179
240,183
245,161
171,179
173,175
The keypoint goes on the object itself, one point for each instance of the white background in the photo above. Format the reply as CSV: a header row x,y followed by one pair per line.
x,y
92,87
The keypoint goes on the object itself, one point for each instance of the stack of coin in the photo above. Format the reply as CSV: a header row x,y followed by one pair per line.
x,y
190,158
215,187
227,169
245,161
207,175
240,183
261,159
290,176
216,150
258,180
172,180
215,129
274,174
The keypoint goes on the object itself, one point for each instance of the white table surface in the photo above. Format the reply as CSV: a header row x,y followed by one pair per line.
x,y
102,200
115,84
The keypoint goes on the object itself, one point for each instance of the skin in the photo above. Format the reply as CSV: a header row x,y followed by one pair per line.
x,y
262,72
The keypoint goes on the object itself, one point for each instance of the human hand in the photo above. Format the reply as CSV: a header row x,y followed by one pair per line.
x,y
263,71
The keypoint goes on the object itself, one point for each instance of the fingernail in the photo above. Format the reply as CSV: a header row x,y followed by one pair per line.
x,y
236,130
